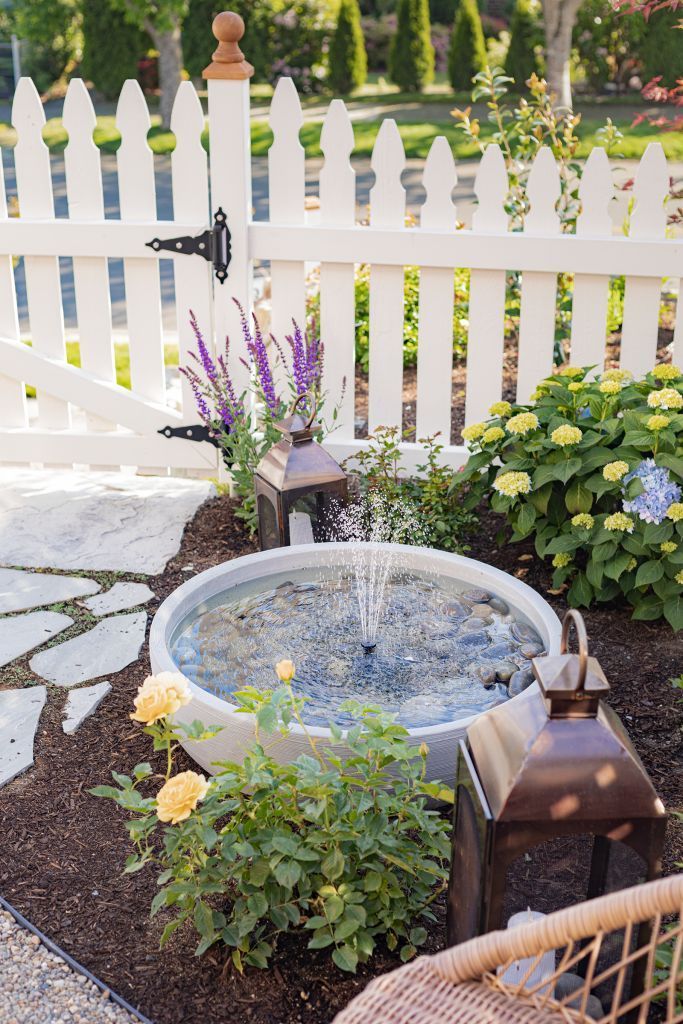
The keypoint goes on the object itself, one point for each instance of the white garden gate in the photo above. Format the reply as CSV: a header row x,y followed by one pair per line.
x,y
120,426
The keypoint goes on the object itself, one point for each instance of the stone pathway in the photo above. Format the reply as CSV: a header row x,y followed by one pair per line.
x,y
38,987
74,522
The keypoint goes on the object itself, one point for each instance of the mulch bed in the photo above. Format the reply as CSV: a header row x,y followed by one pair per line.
x,y
62,851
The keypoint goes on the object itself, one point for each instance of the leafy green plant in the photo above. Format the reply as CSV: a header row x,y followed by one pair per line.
x,y
347,61
526,41
436,492
411,57
467,50
105,31
338,844
592,469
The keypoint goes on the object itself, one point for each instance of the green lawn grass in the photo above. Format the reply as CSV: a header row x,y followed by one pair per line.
x,y
121,361
417,137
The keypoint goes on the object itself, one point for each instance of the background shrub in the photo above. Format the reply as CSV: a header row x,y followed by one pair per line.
x,y
347,61
661,48
526,35
111,47
606,46
378,34
467,52
411,58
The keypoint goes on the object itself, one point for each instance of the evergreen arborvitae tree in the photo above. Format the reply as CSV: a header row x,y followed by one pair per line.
x,y
521,61
411,58
662,47
112,47
348,64
467,51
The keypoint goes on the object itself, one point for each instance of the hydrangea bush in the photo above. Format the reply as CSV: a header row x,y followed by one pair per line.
x,y
339,844
593,470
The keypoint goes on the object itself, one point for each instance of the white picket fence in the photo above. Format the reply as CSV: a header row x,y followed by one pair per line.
x,y
120,426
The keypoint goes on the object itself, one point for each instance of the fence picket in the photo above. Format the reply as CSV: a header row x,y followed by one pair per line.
x,y
486,333
539,291
591,291
137,200
435,330
190,186
642,297
43,289
86,203
12,392
337,294
287,193
387,210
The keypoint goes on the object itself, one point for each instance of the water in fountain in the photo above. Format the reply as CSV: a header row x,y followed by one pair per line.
x,y
367,525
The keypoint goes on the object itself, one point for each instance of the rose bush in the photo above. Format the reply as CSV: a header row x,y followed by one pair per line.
x,y
593,470
339,844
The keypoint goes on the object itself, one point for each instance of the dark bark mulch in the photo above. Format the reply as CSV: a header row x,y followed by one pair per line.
x,y
62,851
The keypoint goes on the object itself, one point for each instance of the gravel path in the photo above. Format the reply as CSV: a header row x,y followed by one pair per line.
x,y
37,987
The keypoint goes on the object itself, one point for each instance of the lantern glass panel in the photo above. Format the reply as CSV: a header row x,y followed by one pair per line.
x,y
268,526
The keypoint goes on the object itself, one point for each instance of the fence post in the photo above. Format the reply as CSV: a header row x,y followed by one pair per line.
x,y
228,77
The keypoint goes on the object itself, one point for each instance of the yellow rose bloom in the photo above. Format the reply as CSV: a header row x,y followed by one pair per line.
x,y
500,409
619,521
675,511
178,797
657,422
523,423
561,560
565,435
511,484
474,431
614,471
285,670
572,371
160,696
616,374
666,371
666,398
610,387
584,520
493,434
679,578
668,547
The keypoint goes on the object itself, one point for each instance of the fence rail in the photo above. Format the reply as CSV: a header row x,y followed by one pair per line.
x,y
82,415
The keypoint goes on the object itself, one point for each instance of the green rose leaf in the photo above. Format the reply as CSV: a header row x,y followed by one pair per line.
x,y
333,865
346,958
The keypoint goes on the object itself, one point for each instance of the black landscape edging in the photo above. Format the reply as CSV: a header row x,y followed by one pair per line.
x,y
73,964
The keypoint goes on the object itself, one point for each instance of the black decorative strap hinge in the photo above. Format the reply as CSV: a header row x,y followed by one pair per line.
x,y
213,244
194,432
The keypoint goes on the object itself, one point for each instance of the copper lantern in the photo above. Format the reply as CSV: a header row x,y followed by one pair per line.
x,y
298,485
555,762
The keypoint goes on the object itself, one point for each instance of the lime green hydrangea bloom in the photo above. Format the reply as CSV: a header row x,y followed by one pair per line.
x,y
493,434
675,511
572,371
666,371
523,423
500,409
617,374
474,431
614,471
577,385
631,565
561,560
679,577
584,520
511,484
667,398
610,387
565,435
619,521
668,547
657,423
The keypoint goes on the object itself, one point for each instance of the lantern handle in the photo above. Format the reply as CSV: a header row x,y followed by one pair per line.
x,y
314,404
576,618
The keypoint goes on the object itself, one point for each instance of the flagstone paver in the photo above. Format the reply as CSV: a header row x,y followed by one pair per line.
x,y
63,519
21,633
103,650
81,703
122,595
20,590
19,715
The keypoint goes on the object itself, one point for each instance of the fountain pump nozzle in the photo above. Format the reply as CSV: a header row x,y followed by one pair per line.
x,y
368,645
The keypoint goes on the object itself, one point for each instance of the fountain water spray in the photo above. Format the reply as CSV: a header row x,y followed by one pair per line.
x,y
369,524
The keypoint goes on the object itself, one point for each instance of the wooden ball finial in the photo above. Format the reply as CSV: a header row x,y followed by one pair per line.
x,y
228,61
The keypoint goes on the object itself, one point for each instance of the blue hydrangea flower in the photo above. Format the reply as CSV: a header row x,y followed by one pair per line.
x,y
659,492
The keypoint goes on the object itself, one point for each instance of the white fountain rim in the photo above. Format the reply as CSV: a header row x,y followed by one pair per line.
x,y
191,594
